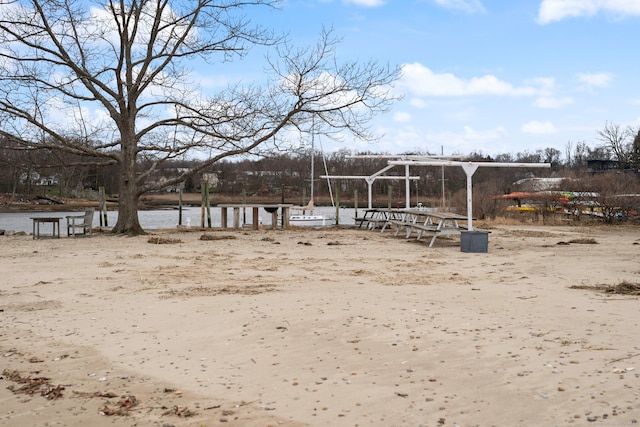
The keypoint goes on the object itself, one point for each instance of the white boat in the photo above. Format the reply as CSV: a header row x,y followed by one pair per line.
x,y
308,219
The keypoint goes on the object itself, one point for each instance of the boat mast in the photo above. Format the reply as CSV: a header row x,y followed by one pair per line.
x,y
312,166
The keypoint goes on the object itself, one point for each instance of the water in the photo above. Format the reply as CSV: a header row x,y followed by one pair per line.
x,y
160,218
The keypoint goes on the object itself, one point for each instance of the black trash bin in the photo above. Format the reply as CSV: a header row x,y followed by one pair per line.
x,y
475,241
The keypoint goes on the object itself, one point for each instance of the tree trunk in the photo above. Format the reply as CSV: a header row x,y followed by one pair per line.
x,y
128,222
129,195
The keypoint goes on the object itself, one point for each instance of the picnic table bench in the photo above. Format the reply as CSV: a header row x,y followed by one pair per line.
x,y
423,221
374,218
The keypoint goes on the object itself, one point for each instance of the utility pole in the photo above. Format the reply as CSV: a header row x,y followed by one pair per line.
x,y
442,178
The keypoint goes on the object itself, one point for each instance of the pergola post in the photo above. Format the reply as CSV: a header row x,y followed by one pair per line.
x,y
407,188
469,170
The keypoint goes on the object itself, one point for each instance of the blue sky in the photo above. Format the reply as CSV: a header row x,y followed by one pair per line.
x,y
497,76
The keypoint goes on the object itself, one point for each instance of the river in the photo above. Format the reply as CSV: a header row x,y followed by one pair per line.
x,y
13,222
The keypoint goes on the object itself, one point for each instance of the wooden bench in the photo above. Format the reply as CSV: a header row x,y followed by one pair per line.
x,y
372,219
398,223
80,222
372,223
360,221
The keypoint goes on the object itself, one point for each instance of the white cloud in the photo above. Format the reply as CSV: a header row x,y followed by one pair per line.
x,y
418,103
557,10
546,84
467,138
553,102
595,79
468,6
402,117
473,135
211,81
366,3
539,128
421,81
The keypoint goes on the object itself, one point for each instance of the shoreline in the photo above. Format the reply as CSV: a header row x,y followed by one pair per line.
x,y
322,327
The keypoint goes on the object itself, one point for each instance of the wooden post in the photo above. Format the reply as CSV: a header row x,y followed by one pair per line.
x,y
208,205
244,209
180,208
223,217
202,206
389,193
304,197
103,207
101,204
285,217
236,217
355,202
338,204
255,217
282,202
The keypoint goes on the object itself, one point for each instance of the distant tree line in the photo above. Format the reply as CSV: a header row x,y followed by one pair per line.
x,y
288,175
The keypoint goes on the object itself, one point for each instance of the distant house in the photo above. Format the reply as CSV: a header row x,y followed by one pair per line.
x,y
603,165
211,178
36,179
538,184
170,188
48,180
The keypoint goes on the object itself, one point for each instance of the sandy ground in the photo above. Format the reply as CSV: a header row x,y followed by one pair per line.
x,y
330,327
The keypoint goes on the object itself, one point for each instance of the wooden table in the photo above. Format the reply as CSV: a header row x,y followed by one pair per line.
x,y
421,221
374,218
271,208
54,221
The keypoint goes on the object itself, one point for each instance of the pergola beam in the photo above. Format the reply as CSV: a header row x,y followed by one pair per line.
x,y
370,179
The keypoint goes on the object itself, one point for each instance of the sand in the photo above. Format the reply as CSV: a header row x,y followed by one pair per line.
x,y
331,327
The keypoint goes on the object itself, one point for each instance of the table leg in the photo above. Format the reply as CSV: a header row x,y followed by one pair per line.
x,y
256,223
435,234
236,217
223,217
285,217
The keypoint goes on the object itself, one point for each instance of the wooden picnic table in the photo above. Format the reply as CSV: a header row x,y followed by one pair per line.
x,y
374,218
425,221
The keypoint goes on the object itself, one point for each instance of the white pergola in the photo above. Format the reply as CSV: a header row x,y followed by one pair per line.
x,y
370,179
408,161
469,169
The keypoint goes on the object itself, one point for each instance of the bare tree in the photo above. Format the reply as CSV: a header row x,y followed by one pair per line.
x,y
616,138
615,194
112,82
635,147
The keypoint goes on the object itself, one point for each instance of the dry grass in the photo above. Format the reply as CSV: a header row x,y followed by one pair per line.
x,y
208,291
217,237
162,240
584,241
623,288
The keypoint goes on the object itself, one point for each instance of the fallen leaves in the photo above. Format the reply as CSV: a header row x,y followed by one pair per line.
x,y
162,240
31,386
